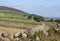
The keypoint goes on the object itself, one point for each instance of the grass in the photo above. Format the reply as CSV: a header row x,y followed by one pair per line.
x,y
51,24
16,17
11,30
53,35
15,21
17,24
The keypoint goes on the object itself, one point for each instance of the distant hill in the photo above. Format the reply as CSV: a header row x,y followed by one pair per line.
x,y
4,8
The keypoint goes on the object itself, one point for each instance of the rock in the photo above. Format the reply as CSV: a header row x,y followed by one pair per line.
x,y
24,35
16,35
16,39
37,38
4,34
31,40
4,39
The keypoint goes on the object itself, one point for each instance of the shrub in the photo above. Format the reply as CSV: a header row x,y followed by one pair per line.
x,y
29,17
57,20
38,18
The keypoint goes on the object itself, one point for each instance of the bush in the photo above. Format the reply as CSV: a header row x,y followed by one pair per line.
x,y
38,18
24,15
51,20
29,17
57,20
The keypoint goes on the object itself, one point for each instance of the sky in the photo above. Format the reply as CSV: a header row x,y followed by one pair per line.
x,y
46,8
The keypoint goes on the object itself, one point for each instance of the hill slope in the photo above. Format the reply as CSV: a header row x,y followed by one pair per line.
x,y
10,17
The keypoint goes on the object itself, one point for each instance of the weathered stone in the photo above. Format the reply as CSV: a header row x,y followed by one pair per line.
x,y
24,35
4,34
37,38
16,35
4,39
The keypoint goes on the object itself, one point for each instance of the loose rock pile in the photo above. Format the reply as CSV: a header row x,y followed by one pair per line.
x,y
19,36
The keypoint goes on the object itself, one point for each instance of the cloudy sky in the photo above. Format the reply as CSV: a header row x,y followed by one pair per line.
x,y
47,8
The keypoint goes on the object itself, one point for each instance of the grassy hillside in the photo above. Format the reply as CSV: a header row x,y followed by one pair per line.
x,y
18,20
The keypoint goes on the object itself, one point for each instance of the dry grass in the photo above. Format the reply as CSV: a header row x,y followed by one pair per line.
x,y
11,30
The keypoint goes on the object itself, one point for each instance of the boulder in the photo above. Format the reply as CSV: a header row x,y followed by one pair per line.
x,y
37,38
4,39
24,35
4,34
16,35
16,39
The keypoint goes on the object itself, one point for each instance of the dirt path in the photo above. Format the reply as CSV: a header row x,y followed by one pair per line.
x,y
42,28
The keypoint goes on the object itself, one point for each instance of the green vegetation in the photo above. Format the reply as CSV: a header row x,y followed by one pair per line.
x,y
32,23
52,36
57,20
12,21
39,33
51,24
29,17
18,18
38,18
